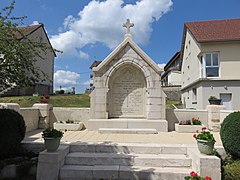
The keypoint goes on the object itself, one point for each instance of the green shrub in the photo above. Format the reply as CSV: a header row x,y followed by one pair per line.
x,y
232,171
60,91
230,134
12,132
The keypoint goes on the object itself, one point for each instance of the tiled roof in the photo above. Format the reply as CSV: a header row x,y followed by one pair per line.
x,y
26,30
215,30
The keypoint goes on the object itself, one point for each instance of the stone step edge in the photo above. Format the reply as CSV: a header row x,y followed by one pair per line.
x,y
120,154
126,168
156,160
121,172
137,148
127,131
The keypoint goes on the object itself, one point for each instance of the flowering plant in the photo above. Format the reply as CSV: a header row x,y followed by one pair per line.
x,y
44,99
204,135
194,176
196,121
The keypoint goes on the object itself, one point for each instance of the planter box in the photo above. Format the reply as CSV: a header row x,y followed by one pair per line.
x,y
215,101
188,128
68,126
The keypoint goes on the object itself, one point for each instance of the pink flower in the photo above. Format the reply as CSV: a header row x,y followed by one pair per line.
x,y
196,131
204,128
208,178
193,119
193,174
195,135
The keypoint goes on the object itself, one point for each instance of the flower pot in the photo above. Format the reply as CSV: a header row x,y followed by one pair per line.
x,y
205,147
215,101
51,144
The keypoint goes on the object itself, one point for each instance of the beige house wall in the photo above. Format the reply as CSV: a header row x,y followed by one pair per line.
x,y
228,81
229,55
47,65
174,78
205,89
191,63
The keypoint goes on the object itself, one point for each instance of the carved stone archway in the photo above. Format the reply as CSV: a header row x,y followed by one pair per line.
x,y
127,93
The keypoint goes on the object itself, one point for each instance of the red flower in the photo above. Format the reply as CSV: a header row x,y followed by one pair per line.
x,y
203,129
195,135
193,174
208,178
196,131
193,119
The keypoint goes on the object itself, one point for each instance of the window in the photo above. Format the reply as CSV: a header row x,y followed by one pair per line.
x,y
194,97
210,65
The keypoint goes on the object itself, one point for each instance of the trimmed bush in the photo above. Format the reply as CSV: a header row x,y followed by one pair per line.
x,y
232,171
12,132
230,134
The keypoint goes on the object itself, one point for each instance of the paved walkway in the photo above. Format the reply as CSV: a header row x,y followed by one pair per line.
x,y
94,136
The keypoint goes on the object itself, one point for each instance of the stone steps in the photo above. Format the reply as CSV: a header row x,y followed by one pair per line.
x,y
128,148
73,172
153,160
125,161
126,131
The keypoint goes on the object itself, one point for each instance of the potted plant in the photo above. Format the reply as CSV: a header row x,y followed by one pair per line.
x,y
195,176
214,101
189,126
44,99
196,121
205,141
52,139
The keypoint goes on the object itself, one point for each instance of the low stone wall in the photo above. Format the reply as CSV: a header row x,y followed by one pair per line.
x,y
224,114
176,115
31,117
172,92
75,114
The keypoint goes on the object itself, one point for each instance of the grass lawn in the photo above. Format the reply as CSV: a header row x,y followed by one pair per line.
x,y
170,102
79,100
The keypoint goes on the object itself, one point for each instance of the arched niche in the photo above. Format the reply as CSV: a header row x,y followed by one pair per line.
x,y
127,93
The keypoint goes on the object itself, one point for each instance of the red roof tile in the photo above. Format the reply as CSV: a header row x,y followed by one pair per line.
x,y
215,30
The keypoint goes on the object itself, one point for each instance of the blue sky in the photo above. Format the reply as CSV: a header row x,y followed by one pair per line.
x,y
88,30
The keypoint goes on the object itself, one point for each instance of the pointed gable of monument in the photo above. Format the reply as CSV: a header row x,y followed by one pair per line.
x,y
127,86
127,49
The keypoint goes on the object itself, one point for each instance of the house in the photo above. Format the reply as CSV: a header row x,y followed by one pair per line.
x,y
211,62
172,72
36,33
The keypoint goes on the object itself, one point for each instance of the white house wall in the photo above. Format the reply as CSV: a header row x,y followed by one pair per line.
x,y
174,78
190,64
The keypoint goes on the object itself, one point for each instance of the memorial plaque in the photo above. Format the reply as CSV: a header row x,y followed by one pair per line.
x,y
128,94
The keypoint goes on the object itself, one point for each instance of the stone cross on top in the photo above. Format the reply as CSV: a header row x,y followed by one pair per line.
x,y
128,25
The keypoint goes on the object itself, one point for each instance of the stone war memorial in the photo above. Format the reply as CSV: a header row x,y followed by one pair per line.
x,y
127,93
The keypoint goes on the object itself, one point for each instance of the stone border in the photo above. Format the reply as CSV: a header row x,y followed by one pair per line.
x,y
188,128
68,126
205,165
49,164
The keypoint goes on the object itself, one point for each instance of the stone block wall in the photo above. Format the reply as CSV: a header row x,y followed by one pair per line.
x,y
31,117
172,92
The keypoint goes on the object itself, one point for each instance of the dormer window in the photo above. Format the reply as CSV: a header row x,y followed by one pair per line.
x,y
210,65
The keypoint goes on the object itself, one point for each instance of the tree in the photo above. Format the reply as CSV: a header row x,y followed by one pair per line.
x,y
18,53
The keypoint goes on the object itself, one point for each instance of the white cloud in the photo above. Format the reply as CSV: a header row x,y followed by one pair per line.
x,y
101,21
83,55
35,23
161,66
65,78
87,83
